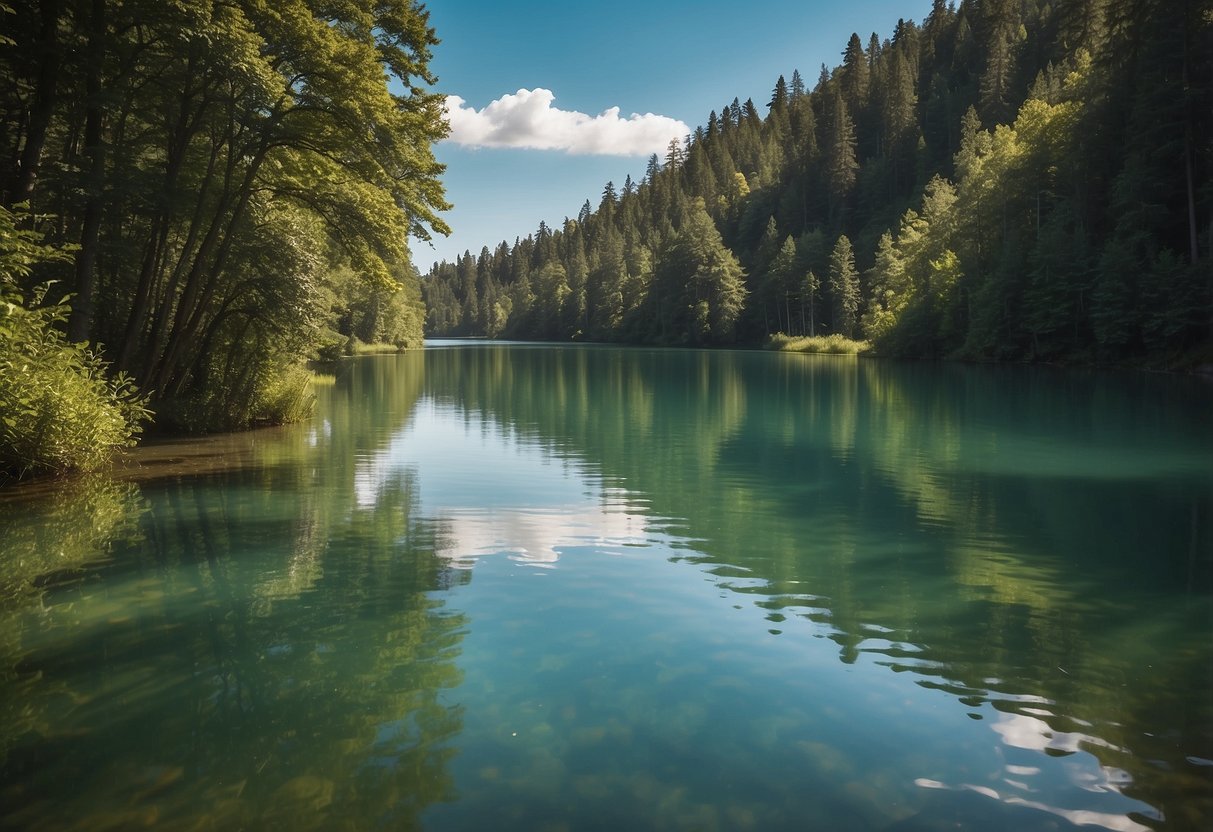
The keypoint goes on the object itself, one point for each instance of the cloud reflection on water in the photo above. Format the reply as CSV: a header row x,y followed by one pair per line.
x,y
556,500
550,504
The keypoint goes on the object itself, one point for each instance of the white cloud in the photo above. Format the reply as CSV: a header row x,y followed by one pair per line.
x,y
528,119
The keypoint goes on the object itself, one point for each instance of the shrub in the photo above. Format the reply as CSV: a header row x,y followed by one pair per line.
x,y
376,348
284,397
272,390
833,344
58,410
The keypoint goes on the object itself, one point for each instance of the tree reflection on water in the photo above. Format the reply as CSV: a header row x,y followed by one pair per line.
x,y
1032,541
242,648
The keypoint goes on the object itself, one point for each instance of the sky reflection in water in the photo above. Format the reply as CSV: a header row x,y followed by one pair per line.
x,y
595,588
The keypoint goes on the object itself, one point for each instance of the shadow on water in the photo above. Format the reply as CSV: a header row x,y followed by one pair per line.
x,y
232,642
255,630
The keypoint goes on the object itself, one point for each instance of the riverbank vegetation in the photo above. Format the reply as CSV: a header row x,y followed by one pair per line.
x,y
833,344
228,187
1005,181
59,410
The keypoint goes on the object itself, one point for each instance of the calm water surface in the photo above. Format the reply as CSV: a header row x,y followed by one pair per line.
x,y
577,588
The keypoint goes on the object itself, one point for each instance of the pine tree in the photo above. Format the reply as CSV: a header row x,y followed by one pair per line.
x,y
608,204
1077,226
575,316
797,90
1001,42
899,107
651,170
809,289
844,287
935,47
781,284
551,295
841,163
1081,25
779,97
606,287
762,289
698,283
674,155
875,52
853,79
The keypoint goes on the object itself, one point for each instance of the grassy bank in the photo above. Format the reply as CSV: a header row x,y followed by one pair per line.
x,y
825,344
377,348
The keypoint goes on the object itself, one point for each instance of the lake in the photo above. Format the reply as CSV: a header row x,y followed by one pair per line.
x,y
533,587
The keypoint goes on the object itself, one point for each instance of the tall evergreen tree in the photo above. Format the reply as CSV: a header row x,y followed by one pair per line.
x,y
797,90
842,164
1001,44
779,97
699,283
854,78
844,287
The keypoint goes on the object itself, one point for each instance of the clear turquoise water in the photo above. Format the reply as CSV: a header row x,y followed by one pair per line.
x,y
526,587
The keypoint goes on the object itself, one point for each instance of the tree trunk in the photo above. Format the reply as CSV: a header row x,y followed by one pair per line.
x,y
159,328
45,96
203,279
1193,244
81,322
178,144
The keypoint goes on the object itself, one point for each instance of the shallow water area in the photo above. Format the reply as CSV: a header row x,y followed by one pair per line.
x,y
581,587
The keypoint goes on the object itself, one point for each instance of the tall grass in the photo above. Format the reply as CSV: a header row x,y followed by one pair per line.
x,y
377,348
277,391
833,344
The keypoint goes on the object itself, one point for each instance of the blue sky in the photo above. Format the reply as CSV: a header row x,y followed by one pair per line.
x,y
676,61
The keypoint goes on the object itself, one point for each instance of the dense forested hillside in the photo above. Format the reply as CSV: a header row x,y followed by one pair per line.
x,y
1011,179
223,189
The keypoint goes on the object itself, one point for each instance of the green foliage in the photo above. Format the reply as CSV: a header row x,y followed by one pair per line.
x,y
781,281
1017,181
833,344
284,397
235,183
21,247
59,411
698,284
275,390
842,162
386,316
844,287
376,348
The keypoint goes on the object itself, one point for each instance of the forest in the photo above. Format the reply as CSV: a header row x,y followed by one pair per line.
x,y
1010,180
196,199
200,198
